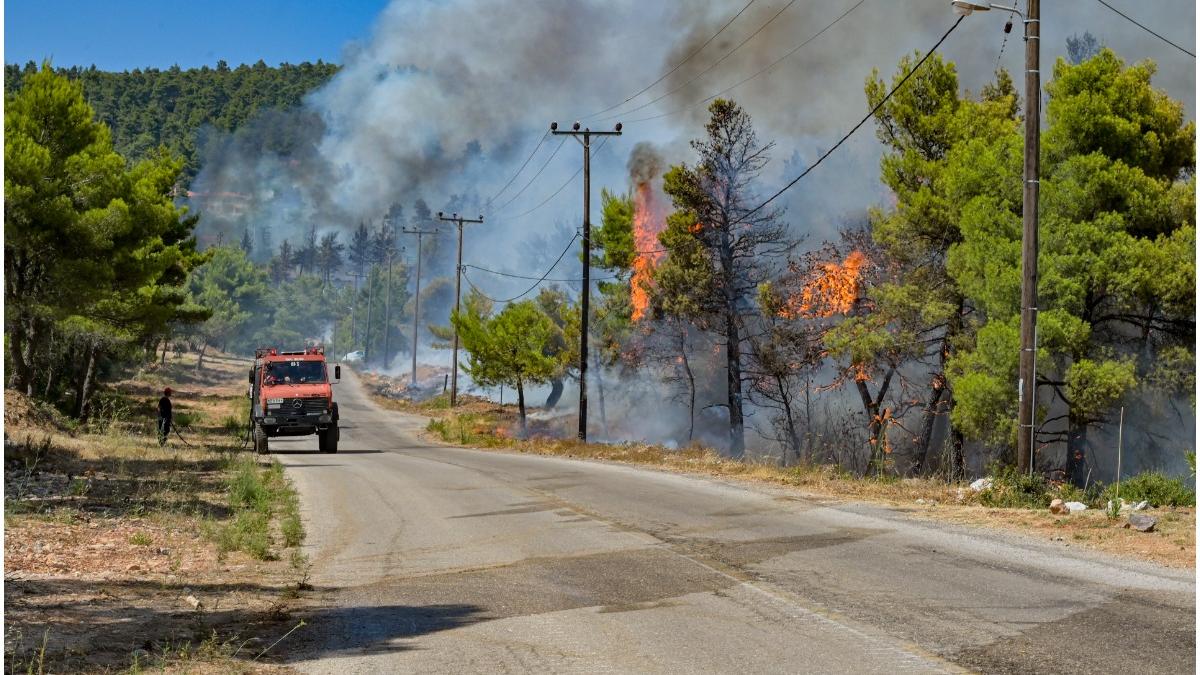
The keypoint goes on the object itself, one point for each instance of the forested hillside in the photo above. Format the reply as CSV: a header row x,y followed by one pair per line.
x,y
173,107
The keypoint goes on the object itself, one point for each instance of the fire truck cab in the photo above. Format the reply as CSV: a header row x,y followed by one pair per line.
x,y
291,395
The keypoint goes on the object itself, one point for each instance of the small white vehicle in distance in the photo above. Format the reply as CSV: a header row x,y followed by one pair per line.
x,y
354,357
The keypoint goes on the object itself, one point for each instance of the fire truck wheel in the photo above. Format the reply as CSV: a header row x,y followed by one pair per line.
x,y
260,440
327,441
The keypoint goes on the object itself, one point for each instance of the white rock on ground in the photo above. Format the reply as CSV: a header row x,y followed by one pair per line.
x,y
981,484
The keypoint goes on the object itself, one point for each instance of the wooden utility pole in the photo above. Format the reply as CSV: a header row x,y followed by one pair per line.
x,y
354,333
370,306
417,298
389,243
455,218
1029,240
586,141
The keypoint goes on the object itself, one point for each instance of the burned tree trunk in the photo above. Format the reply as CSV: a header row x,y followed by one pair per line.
x,y
1077,446
521,405
556,392
691,385
938,389
737,439
733,351
929,417
791,448
600,390
877,432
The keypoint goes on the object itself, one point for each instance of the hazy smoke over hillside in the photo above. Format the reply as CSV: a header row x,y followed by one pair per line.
x,y
443,101
446,99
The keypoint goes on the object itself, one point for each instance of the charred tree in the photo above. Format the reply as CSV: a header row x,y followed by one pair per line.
x,y
719,247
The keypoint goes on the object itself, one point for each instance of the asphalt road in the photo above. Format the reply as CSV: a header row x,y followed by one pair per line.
x,y
436,559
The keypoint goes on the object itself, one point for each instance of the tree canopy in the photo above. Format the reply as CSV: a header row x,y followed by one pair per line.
x,y
150,108
95,249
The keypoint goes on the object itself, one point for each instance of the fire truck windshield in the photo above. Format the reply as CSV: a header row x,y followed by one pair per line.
x,y
293,372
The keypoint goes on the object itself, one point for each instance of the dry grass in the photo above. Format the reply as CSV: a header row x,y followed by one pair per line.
x,y
484,424
1172,543
107,534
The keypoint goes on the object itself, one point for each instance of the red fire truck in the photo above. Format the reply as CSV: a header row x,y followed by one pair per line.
x,y
291,395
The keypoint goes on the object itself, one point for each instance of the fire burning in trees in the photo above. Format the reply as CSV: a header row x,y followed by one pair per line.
x,y
648,221
833,289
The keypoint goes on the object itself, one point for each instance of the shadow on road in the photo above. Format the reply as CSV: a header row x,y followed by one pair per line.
x,y
314,452
152,615
375,630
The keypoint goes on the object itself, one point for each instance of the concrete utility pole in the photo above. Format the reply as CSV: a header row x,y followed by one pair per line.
x,y
455,218
1026,382
586,134
417,297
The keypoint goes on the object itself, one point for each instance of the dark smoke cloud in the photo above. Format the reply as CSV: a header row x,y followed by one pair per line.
x,y
645,163
447,98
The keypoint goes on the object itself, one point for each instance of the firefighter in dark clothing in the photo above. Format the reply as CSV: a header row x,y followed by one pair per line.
x,y
164,416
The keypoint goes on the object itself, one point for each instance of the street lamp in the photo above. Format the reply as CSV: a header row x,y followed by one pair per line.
x,y
964,8
1026,386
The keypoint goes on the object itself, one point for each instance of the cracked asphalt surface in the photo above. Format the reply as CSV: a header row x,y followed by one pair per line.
x,y
438,559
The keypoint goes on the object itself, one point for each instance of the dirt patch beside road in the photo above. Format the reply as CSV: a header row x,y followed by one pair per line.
x,y
123,554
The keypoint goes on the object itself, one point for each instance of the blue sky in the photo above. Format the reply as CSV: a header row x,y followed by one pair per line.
x,y
127,34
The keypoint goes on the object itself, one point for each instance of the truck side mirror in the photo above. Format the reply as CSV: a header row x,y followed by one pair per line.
x,y
251,376
337,372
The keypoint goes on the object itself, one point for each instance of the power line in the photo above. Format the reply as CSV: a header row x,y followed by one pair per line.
x,y
1130,19
676,66
535,284
523,165
755,75
1003,44
706,70
861,122
562,187
521,276
531,180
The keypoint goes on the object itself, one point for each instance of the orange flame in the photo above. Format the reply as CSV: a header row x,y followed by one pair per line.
x,y
831,291
648,221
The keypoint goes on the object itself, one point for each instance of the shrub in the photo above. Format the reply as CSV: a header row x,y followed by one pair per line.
x,y
248,532
140,539
234,426
439,427
1155,488
1093,496
246,488
106,409
1012,489
256,495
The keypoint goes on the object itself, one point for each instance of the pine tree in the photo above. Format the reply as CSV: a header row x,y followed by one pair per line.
x,y
329,256
718,251
247,242
509,348
94,249
281,264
